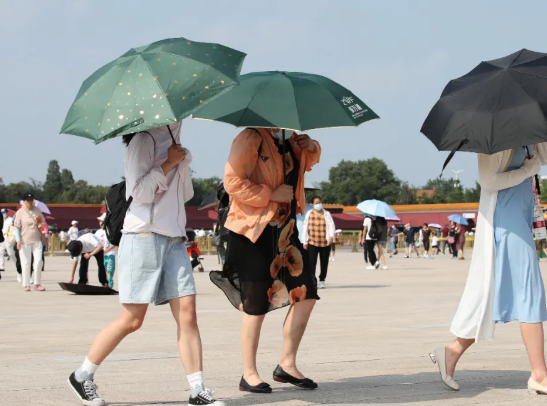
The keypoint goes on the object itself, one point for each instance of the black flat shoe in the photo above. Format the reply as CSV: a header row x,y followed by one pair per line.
x,y
260,388
281,376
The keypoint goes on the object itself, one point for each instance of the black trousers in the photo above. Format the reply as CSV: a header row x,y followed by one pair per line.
x,y
84,265
370,250
324,253
454,249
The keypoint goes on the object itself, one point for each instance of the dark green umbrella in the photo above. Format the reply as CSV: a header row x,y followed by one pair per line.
x,y
152,86
288,100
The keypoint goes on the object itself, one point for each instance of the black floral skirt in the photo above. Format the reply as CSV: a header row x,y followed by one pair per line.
x,y
269,274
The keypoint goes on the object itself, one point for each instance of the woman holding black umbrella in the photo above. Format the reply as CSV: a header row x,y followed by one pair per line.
x,y
266,267
499,110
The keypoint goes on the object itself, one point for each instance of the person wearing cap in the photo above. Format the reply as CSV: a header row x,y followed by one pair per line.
x,y
87,246
109,251
8,234
73,231
29,222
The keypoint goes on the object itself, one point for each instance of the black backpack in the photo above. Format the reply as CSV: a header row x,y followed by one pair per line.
x,y
116,208
375,231
223,210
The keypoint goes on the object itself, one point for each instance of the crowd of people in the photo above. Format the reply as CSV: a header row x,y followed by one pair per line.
x,y
270,263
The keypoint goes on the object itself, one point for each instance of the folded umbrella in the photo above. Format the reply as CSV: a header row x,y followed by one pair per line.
x,y
152,86
456,218
310,185
376,208
209,201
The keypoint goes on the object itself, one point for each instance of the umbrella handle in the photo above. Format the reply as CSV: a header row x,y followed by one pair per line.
x,y
171,134
538,187
284,159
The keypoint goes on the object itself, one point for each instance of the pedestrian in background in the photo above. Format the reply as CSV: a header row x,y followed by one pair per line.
x,y
382,241
369,241
426,239
8,234
444,234
318,237
73,231
28,223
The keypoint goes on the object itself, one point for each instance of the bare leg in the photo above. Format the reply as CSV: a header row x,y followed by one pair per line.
x,y
188,338
250,336
381,255
532,335
108,339
293,330
454,351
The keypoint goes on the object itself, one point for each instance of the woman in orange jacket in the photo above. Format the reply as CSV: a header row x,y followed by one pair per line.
x,y
265,267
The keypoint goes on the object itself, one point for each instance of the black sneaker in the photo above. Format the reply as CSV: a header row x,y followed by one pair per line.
x,y
205,397
87,392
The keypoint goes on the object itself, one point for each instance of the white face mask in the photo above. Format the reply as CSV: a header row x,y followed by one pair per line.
x,y
278,135
318,206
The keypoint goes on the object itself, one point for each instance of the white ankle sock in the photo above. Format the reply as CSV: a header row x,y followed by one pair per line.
x,y
86,371
196,382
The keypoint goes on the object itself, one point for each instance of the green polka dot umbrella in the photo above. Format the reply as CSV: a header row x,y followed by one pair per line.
x,y
152,86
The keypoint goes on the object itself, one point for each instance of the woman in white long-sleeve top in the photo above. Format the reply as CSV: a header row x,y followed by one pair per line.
x,y
504,282
153,261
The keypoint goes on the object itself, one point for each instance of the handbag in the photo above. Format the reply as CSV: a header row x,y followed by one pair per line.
x,y
451,240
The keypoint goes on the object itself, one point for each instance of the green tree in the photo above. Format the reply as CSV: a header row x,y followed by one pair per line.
x,y
83,193
473,195
352,182
407,194
67,180
445,186
202,188
53,186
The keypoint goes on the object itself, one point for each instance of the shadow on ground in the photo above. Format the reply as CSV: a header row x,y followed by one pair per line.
x,y
387,389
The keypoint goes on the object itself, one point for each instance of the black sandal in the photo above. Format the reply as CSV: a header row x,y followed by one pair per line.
x,y
281,376
260,388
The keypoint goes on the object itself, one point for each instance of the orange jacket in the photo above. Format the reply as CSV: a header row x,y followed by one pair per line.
x,y
250,179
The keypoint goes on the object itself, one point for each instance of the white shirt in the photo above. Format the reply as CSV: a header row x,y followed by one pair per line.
x,y
62,235
368,225
73,233
8,221
89,242
201,233
158,200
435,241
101,234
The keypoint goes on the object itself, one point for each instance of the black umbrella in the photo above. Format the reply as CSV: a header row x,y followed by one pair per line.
x,y
499,105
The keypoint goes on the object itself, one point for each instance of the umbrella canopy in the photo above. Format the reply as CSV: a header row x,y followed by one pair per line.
x,y
41,205
376,208
456,218
288,100
209,201
152,86
499,105
435,225
393,218
309,185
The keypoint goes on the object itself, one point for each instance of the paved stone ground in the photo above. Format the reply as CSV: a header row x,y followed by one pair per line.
x,y
367,343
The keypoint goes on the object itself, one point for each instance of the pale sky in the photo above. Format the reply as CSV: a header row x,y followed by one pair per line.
x,y
397,56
